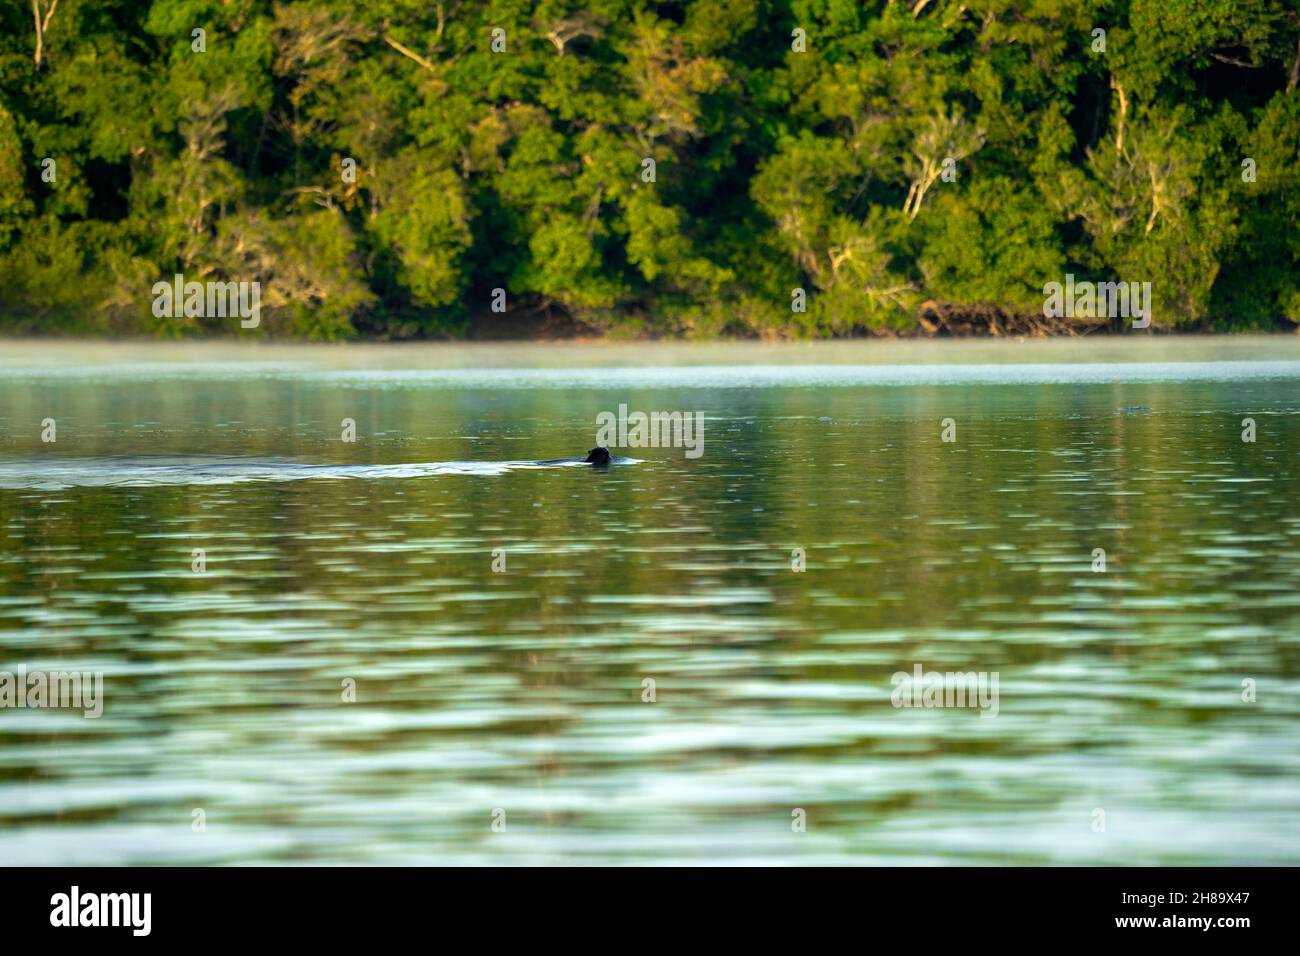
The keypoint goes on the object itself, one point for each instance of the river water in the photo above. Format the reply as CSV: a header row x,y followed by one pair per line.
x,y
428,646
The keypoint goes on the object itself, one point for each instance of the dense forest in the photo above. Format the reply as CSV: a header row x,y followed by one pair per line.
x,y
382,167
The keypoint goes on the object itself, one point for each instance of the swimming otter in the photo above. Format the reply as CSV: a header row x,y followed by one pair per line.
x,y
598,457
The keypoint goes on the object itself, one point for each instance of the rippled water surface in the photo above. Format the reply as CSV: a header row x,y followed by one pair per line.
x,y
521,690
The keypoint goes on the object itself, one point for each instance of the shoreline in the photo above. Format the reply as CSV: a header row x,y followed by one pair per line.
x,y
1013,331
933,320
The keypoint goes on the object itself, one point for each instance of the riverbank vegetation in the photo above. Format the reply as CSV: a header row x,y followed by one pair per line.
x,y
636,168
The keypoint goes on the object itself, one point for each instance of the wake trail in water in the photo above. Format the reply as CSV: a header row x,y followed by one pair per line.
x,y
136,472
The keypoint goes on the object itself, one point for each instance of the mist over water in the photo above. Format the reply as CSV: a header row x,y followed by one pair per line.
x,y
522,689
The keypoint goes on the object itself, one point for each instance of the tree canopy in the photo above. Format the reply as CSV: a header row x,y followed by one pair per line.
x,y
679,168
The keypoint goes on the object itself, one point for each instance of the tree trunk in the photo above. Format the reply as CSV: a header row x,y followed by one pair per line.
x,y
42,25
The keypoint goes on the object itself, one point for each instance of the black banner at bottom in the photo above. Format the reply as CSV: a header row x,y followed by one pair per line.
x,y
570,905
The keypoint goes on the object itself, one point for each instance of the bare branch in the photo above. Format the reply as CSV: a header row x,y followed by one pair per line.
x,y
1123,115
408,52
1233,61
42,25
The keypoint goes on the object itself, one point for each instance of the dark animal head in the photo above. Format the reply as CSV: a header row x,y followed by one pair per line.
x,y
598,456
